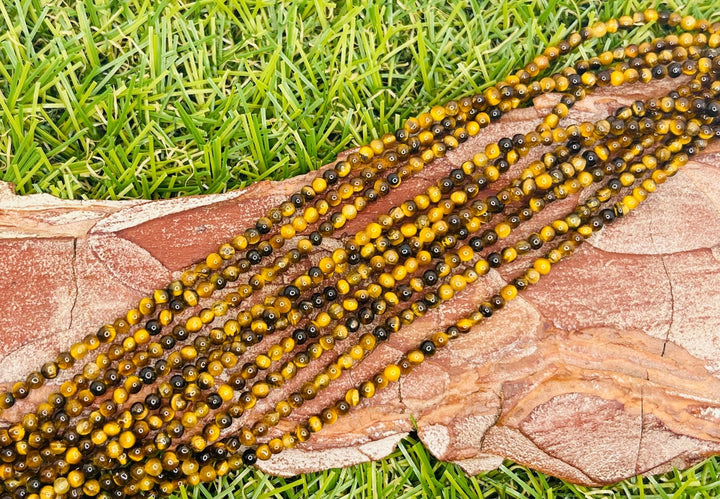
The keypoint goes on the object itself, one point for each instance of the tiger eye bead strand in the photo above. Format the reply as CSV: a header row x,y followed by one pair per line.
x,y
148,305
358,351
226,251
589,223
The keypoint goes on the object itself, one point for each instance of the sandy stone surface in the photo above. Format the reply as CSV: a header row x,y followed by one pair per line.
x,y
606,369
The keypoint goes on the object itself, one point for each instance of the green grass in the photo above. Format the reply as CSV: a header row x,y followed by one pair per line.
x,y
159,98
411,472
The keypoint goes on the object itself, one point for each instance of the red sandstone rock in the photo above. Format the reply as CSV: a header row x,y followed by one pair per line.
x,y
606,369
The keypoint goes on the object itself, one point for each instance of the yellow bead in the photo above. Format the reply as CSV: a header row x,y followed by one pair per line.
x,y
319,184
458,283
263,361
194,324
482,267
585,179
76,478
438,113
630,202
78,351
543,181
415,357
542,265
126,439
315,424
503,230
392,372
310,215
73,455
508,292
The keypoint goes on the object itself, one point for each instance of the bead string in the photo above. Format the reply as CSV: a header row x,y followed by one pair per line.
x,y
494,96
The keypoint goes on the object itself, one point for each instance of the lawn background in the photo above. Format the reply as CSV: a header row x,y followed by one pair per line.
x,y
120,99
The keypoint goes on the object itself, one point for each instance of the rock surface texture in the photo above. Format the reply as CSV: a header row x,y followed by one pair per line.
x,y
606,369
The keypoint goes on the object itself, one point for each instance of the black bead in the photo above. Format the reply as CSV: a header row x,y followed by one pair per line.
x,y
204,457
674,69
137,408
365,315
457,176
249,457
330,176
317,299
330,293
111,377
352,323
436,249
176,305
153,401
262,227
371,195
180,333
494,204
147,375
608,216
405,292
33,485
486,309
505,144
502,165
380,333
254,256
432,300
596,223
476,243
430,277
312,330
427,347
535,241
520,283
223,421
494,260
713,109
183,451
90,470
97,388
659,72
404,250
265,248
201,363
291,292
489,237
315,238
167,342
299,336
214,401
177,382
298,200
